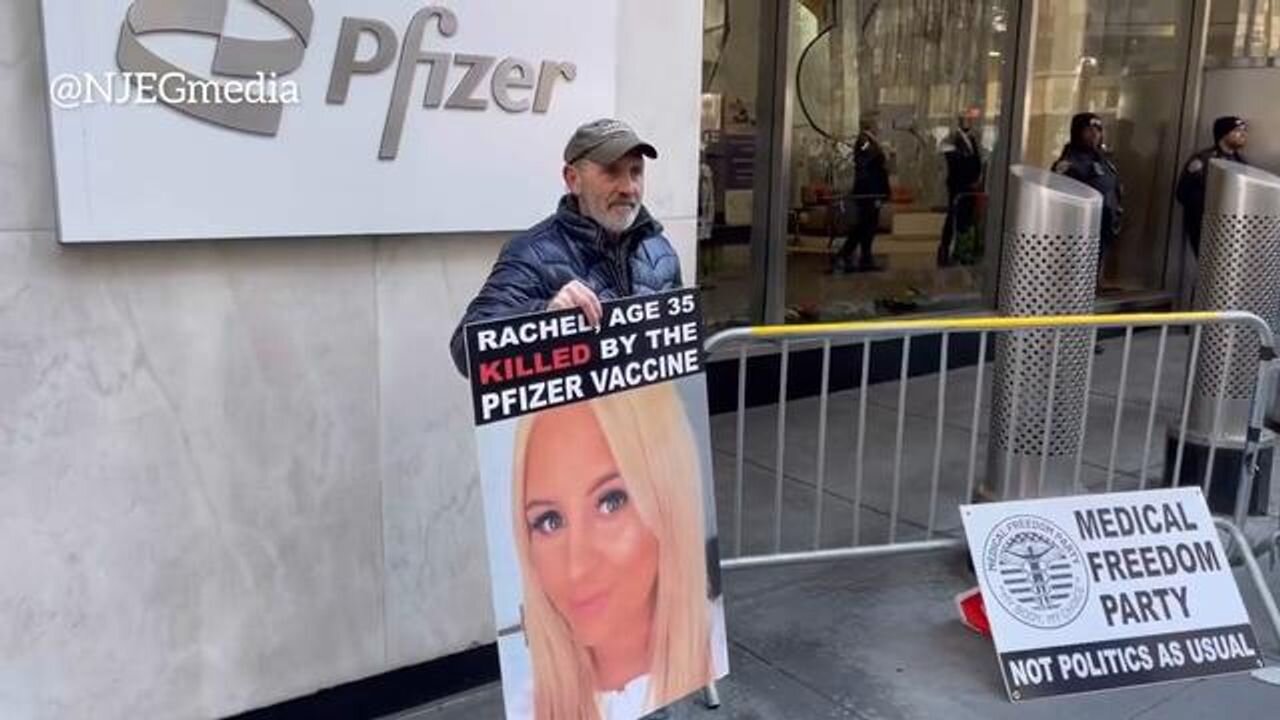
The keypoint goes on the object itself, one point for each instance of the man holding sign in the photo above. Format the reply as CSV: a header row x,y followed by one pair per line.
x,y
601,243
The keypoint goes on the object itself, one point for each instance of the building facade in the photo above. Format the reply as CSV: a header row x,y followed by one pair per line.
x,y
238,472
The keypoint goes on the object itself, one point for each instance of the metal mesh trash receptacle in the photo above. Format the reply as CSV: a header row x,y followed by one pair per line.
x,y
1239,270
1049,266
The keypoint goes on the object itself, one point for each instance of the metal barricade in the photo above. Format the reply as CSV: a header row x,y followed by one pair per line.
x,y
818,512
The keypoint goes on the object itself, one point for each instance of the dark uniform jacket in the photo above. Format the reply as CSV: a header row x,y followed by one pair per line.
x,y
1192,187
870,168
964,161
1096,169
535,264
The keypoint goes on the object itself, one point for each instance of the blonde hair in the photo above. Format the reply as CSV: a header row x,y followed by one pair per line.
x,y
652,443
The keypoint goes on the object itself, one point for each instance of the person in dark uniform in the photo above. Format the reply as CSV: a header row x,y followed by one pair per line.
x,y
870,190
963,152
1230,135
1087,159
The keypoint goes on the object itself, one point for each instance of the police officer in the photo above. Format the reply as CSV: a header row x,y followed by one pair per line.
x,y
870,190
963,152
1087,159
1230,135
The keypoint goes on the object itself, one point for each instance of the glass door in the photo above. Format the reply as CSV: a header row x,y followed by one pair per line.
x,y
897,110
1126,61
729,186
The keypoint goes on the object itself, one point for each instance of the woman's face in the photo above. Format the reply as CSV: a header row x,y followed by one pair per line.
x,y
1093,135
591,553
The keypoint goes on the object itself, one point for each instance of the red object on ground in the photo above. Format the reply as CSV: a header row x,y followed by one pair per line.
x,y
972,612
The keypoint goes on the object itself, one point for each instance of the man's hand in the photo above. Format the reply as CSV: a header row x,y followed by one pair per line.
x,y
574,294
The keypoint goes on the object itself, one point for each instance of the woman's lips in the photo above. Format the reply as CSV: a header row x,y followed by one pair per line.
x,y
588,606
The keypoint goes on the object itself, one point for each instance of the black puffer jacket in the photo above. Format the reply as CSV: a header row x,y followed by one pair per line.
x,y
535,264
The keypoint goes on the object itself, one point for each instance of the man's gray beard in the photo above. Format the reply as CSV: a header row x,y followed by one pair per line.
x,y
630,220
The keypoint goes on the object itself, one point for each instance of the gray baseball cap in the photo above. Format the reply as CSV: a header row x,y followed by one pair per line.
x,y
604,142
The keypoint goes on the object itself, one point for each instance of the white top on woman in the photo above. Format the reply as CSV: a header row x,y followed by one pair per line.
x,y
632,701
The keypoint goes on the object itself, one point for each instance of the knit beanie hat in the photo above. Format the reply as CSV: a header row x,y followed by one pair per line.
x,y
1224,126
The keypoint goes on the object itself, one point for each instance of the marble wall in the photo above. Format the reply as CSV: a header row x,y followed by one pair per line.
x,y
235,473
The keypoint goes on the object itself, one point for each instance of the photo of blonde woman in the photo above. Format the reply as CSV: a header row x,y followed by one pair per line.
x,y
608,523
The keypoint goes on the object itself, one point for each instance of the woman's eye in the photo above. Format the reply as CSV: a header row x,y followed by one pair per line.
x,y
613,501
547,523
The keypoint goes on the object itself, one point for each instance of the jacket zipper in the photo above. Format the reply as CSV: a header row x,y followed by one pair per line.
x,y
615,257
620,264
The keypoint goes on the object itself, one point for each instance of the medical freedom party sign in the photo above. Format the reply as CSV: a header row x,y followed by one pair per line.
x,y
1099,592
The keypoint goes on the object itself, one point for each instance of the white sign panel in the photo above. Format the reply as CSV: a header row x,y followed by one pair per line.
x,y
1103,591
185,119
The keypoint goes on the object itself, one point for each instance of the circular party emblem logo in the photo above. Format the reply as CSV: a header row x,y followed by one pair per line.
x,y
1035,571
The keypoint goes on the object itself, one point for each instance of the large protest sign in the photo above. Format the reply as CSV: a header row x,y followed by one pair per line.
x,y
595,466
1098,592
